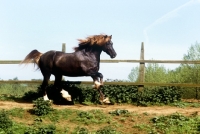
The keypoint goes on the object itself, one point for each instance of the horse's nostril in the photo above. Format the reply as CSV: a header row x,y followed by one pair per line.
x,y
113,56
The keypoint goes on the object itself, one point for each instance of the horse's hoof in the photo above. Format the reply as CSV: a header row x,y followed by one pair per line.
x,y
105,101
66,95
46,98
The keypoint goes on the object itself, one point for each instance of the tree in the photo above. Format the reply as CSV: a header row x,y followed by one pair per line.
x,y
153,73
133,76
185,73
190,73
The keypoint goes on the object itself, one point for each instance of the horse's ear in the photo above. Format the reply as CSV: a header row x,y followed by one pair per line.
x,y
110,36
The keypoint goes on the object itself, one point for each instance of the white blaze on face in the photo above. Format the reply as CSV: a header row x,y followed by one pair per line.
x,y
66,95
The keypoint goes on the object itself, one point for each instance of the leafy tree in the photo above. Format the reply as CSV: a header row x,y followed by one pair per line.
x,y
190,73
133,76
153,73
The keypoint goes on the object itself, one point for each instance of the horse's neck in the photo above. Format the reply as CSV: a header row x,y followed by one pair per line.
x,y
93,53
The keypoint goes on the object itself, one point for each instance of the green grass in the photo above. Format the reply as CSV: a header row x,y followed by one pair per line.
x,y
118,121
13,92
17,89
99,122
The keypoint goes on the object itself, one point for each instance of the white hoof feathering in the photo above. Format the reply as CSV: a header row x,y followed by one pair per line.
x,y
97,84
106,100
66,95
45,97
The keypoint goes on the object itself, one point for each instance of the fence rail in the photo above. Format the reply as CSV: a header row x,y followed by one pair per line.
x,y
118,61
141,62
105,83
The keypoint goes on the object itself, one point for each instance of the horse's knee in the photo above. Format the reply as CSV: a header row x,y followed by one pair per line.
x,y
96,84
101,75
101,78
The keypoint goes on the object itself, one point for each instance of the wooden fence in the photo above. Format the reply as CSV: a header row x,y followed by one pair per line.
x,y
141,62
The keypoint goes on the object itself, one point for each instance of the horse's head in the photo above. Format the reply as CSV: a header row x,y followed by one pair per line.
x,y
108,47
98,41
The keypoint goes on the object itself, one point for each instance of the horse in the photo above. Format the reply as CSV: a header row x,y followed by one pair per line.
x,y
84,61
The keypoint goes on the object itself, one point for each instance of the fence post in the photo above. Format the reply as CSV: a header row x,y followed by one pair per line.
x,y
64,51
141,69
63,47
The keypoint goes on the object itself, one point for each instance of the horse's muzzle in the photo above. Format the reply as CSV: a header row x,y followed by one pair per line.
x,y
113,55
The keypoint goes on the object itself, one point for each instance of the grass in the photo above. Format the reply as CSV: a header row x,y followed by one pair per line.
x,y
12,92
118,121
17,89
100,122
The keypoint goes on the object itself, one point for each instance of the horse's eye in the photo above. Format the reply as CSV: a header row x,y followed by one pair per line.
x,y
109,43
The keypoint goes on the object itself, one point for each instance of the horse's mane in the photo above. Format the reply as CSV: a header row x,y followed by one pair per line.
x,y
98,40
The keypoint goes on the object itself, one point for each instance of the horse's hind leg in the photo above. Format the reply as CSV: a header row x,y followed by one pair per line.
x,y
57,82
44,85
58,85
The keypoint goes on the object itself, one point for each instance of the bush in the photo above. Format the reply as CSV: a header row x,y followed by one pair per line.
x,y
175,123
30,96
165,95
5,122
80,130
41,107
117,94
50,129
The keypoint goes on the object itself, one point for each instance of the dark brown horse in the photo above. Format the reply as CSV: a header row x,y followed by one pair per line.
x,y
83,62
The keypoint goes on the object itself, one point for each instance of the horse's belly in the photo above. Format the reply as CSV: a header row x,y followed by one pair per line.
x,y
73,73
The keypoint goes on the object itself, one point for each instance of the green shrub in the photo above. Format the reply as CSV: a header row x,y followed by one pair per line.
x,y
165,95
5,121
50,129
44,129
91,117
30,96
175,123
30,130
41,107
80,130
119,94
16,112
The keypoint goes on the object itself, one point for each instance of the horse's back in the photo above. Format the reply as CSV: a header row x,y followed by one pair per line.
x,y
56,62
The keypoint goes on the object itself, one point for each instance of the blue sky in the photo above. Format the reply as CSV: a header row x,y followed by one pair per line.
x,y
167,28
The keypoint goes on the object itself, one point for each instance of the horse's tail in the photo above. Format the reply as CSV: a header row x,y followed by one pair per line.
x,y
32,57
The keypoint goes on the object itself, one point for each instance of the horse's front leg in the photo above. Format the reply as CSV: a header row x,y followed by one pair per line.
x,y
96,77
97,86
101,78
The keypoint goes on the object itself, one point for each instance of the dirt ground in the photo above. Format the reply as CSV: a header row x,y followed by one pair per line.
x,y
159,110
